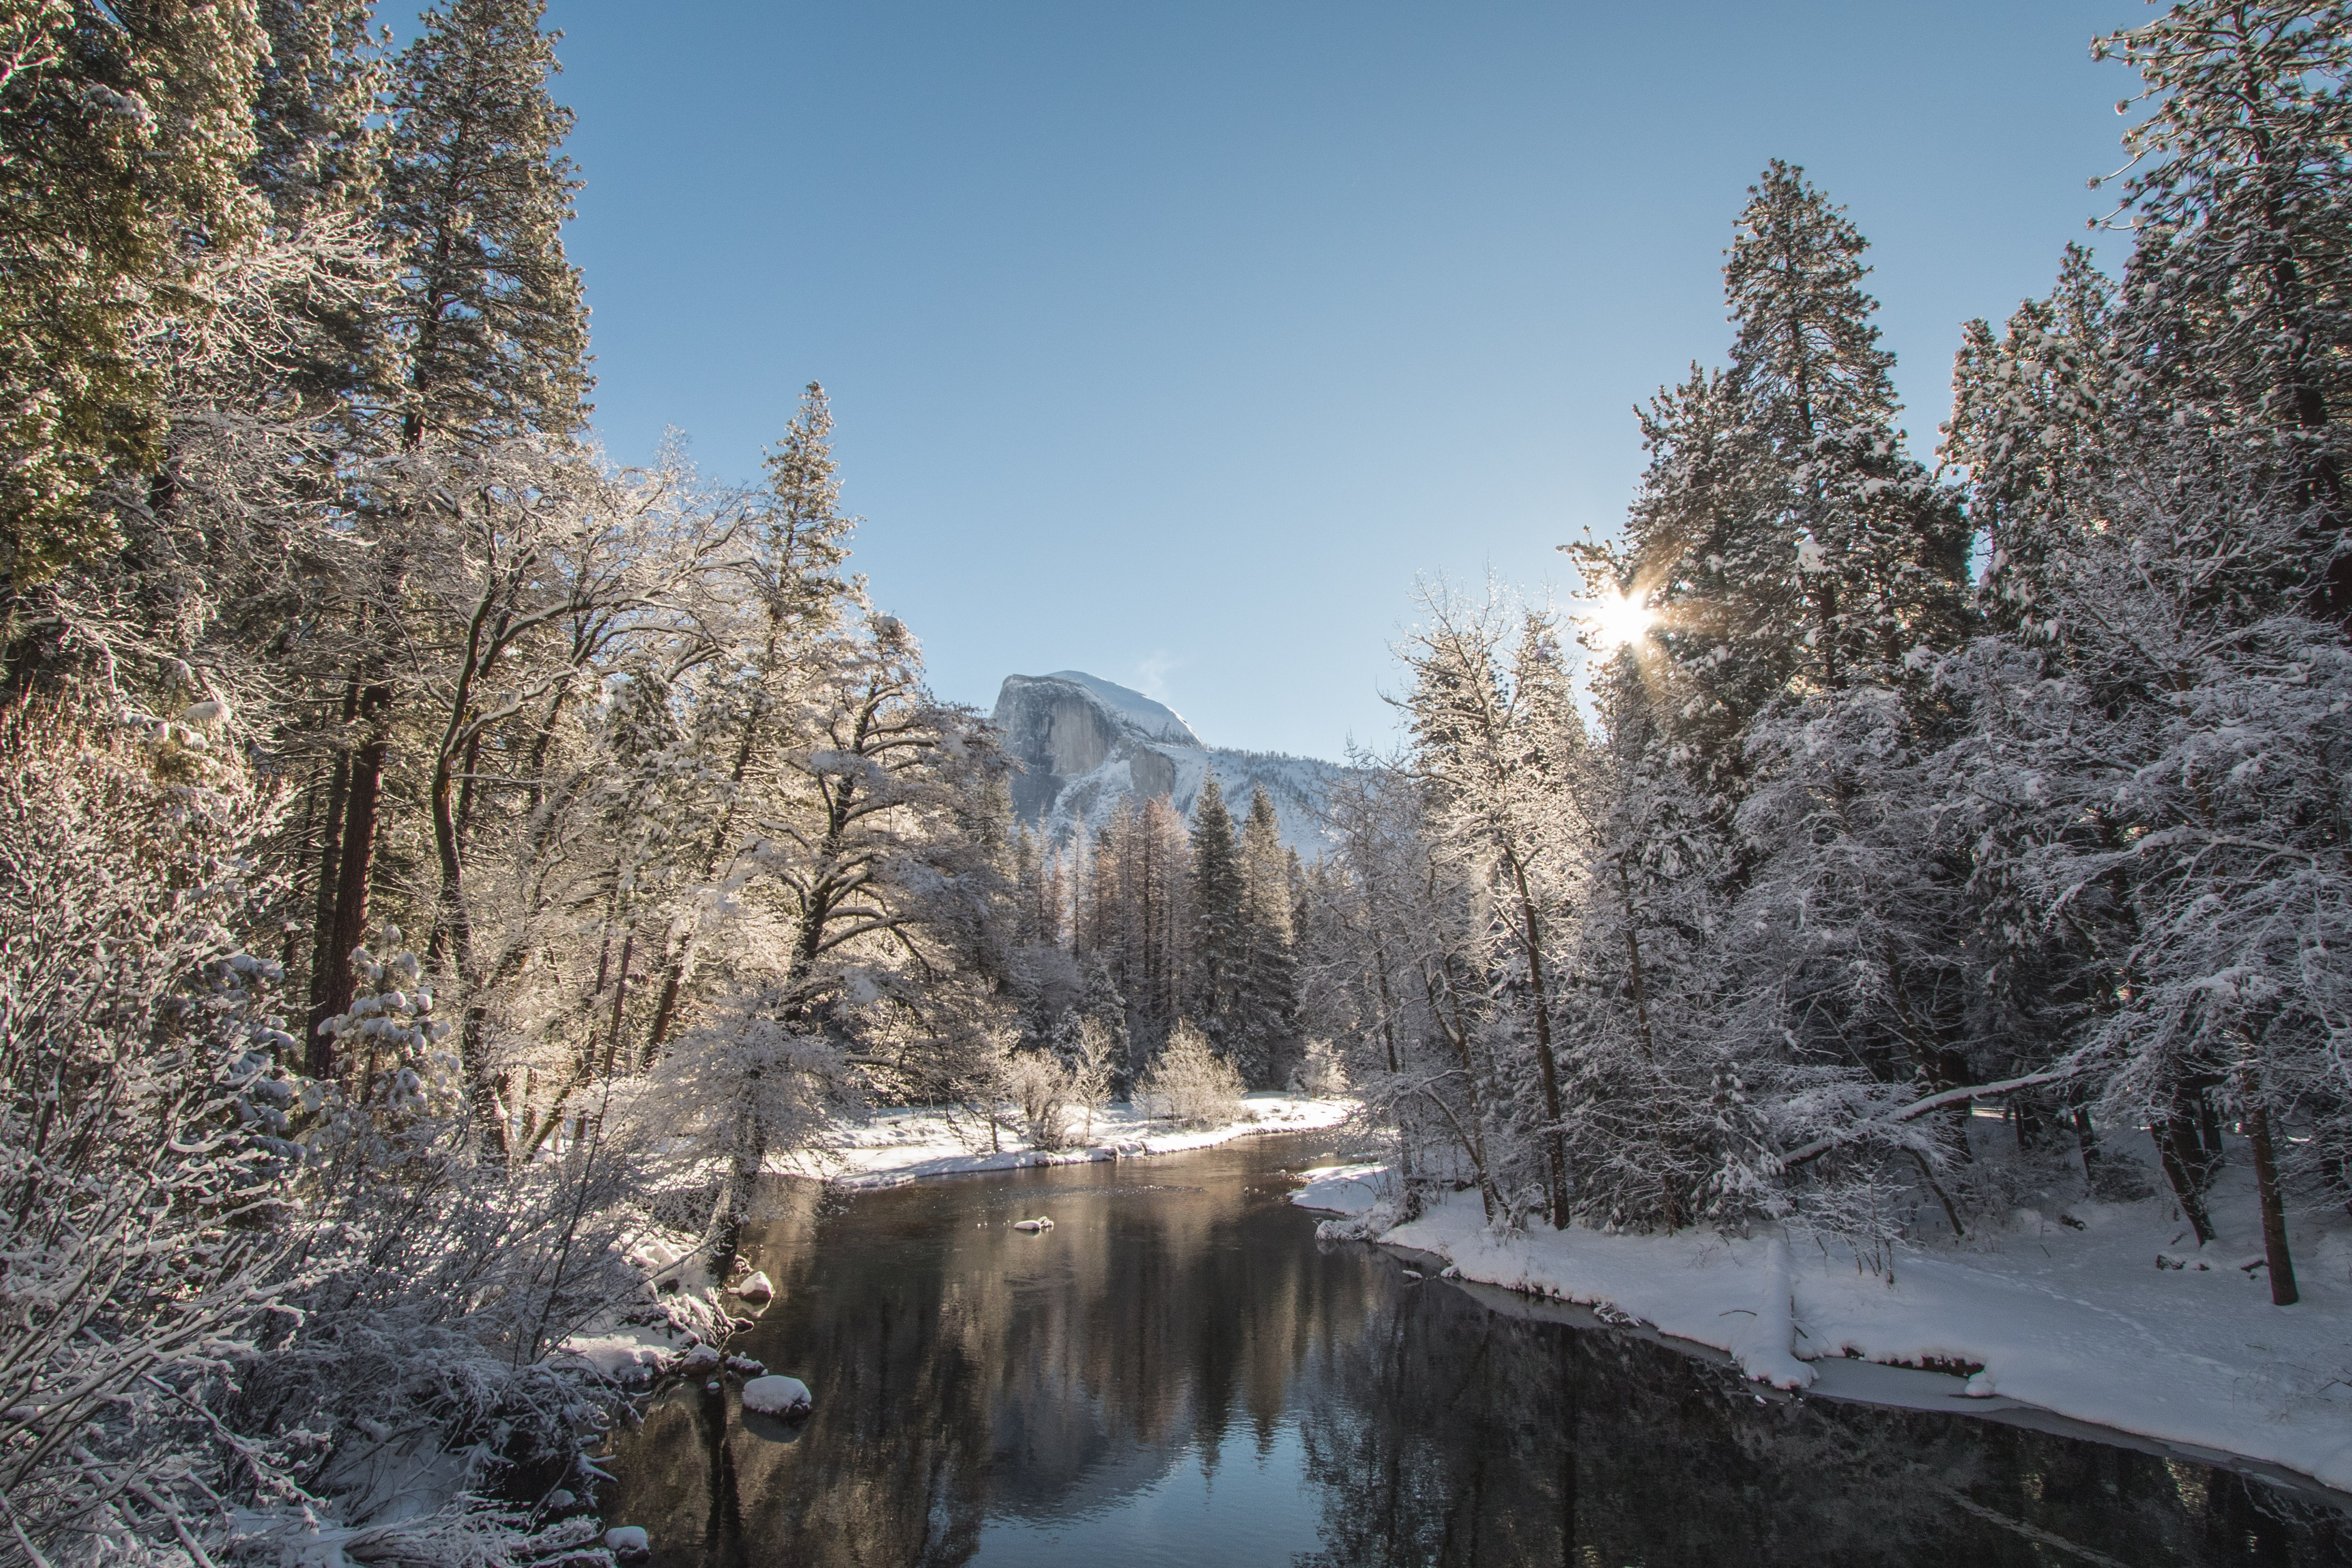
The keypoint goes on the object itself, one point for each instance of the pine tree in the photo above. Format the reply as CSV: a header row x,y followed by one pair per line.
x,y
2240,286
1878,552
789,593
1268,997
319,162
491,320
2028,415
124,132
1217,945
316,147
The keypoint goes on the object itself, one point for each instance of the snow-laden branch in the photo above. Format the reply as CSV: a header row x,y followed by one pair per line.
x,y
1933,1103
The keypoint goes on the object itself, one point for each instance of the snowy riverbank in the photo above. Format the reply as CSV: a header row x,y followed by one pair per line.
x,y
2070,1312
890,1148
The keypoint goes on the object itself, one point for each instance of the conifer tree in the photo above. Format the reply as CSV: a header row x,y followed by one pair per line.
x,y
316,147
789,593
1267,995
2240,285
125,130
319,162
1216,930
1875,551
491,321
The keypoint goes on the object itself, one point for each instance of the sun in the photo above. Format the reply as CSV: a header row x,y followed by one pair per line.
x,y
1619,620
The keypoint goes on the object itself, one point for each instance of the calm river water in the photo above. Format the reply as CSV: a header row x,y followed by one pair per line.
x,y
1179,1373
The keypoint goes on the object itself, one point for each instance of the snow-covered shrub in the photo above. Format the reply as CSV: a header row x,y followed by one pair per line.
x,y
1092,1060
243,1311
1321,1072
1041,1086
142,1138
1190,1083
416,1379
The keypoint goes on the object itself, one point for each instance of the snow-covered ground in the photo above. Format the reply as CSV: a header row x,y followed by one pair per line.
x,y
2083,1323
890,1148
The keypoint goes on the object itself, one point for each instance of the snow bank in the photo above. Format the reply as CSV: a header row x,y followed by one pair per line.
x,y
1344,1189
2073,1316
890,1148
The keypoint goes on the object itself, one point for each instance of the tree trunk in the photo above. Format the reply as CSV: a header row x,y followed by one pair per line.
x,y
2266,1183
1554,1136
318,1054
2171,1152
355,866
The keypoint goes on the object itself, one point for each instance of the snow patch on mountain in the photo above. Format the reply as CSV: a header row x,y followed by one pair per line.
x,y
1086,743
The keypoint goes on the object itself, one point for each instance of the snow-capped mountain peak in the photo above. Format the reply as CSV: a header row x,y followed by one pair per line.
x,y
1086,743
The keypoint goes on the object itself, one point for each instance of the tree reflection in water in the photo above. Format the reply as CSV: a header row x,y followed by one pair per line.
x,y
970,1377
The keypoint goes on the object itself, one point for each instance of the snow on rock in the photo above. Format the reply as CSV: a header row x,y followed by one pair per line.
x,y
1040,1222
2068,1317
626,1541
756,1287
776,1395
891,1148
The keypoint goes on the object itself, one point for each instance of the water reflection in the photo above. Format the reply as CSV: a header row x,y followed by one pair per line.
x,y
1179,1372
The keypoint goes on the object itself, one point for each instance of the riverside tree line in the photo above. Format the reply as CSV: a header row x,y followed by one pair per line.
x,y
433,860
2016,782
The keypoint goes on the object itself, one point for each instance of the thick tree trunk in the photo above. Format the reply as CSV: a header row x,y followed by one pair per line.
x,y
1554,1136
2172,1153
354,868
2266,1185
329,888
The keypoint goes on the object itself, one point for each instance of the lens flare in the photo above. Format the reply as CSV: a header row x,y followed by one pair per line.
x,y
1619,620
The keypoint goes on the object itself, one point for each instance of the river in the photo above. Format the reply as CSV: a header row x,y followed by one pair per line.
x,y
1178,1373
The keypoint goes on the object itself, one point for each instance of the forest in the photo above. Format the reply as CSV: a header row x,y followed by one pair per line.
x,y
436,860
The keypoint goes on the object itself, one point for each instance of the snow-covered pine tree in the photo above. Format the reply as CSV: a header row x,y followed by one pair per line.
x,y
2027,430
1217,937
319,162
491,324
1874,551
781,595
124,134
1266,1001
1650,1087
2240,285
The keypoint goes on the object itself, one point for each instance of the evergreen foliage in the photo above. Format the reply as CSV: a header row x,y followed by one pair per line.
x,y
1863,843
490,321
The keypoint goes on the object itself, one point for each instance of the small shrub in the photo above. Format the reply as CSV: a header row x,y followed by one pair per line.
x,y
1190,1084
1321,1073
1042,1088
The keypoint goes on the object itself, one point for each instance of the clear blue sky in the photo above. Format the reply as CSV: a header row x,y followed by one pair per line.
x,y
1170,342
